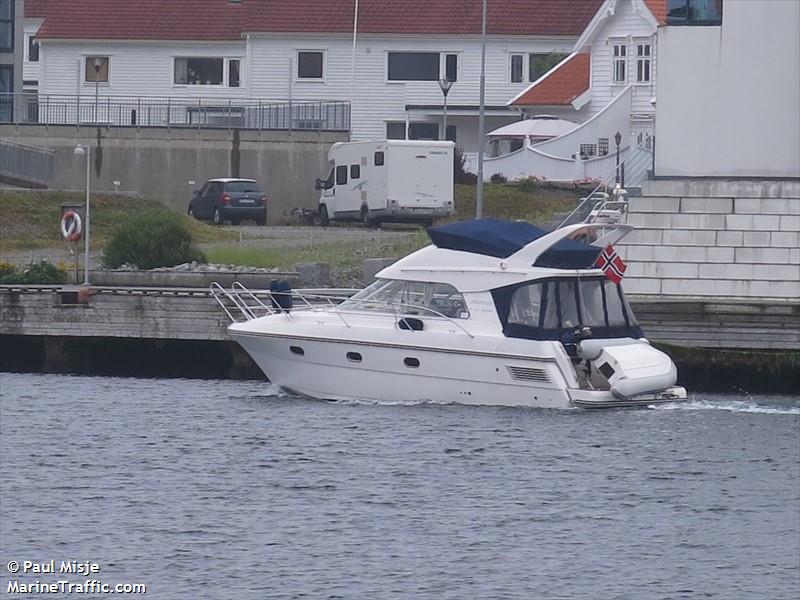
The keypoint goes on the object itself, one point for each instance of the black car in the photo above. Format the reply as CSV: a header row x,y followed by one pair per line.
x,y
233,200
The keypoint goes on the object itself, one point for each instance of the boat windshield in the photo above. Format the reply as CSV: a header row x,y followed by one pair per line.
x,y
548,309
410,298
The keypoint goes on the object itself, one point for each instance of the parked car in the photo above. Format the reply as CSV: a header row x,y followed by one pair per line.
x,y
233,200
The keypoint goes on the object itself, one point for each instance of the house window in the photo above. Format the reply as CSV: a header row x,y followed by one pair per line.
x,y
450,134
451,67
694,12
33,49
234,79
619,62
413,66
198,71
6,88
516,68
642,63
541,63
95,69
423,131
588,150
6,24
395,130
355,171
341,175
309,65
602,146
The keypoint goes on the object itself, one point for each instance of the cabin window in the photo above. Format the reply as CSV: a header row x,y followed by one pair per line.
x,y
694,12
297,350
354,357
411,362
378,159
516,68
95,69
33,49
643,63
355,171
341,175
620,57
549,309
310,64
541,63
423,299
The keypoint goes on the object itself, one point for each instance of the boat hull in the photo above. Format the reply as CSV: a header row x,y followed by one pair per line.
x,y
396,373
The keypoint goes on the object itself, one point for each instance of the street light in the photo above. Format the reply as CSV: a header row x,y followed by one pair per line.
x,y
481,117
445,85
617,140
97,64
80,151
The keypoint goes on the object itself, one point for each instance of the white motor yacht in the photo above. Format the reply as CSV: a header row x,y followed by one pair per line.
x,y
491,313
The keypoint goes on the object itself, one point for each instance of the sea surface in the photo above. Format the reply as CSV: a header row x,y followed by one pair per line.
x,y
230,490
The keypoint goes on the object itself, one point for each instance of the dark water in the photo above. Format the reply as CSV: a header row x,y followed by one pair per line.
x,y
205,489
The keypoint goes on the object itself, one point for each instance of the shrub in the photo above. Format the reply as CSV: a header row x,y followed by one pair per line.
x,y
531,184
41,272
498,178
149,240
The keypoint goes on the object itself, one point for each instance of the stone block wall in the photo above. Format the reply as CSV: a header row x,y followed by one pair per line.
x,y
715,239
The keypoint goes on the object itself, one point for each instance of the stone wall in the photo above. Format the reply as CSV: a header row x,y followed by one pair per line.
x,y
160,162
715,239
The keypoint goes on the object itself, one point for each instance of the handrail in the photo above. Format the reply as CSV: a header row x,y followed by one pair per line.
x,y
238,295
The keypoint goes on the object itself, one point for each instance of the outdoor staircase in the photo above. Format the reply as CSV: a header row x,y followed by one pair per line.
x,y
26,166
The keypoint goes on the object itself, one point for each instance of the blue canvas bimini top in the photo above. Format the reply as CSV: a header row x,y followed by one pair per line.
x,y
501,239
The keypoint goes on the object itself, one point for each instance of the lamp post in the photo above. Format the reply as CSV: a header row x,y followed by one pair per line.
x,y
80,151
481,118
617,140
445,85
97,64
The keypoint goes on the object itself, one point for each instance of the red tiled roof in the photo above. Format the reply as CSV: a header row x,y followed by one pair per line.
x,y
562,86
226,20
659,10
37,8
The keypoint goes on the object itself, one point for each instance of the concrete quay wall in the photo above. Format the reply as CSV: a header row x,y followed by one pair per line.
x,y
159,162
715,239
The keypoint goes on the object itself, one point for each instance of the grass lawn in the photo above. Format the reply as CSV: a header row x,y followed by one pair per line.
x,y
533,203
31,219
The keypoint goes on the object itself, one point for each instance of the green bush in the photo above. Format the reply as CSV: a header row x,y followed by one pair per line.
x,y
41,272
149,240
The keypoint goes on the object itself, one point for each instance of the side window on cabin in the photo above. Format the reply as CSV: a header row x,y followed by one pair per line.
x,y
341,175
378,159
355,171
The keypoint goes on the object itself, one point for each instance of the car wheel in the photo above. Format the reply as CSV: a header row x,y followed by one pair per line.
x,y
235,221
261,221
217,216
191,212
324,219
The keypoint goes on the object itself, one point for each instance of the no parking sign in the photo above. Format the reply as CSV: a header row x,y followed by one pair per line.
x,y
71,226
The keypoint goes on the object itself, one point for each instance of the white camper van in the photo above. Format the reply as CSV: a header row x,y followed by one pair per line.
x,y
388,180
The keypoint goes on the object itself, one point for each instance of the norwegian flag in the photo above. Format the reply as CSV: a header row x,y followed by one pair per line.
x,y
611,264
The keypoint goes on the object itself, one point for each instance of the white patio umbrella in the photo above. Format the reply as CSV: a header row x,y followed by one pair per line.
x,y
540,126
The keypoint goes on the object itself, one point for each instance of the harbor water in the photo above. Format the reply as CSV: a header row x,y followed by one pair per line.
x,y
229,489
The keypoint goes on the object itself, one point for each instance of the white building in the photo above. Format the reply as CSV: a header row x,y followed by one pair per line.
x,y
721,219
607,84
306,50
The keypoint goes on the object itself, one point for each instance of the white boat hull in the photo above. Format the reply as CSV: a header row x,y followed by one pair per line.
x,y
326,370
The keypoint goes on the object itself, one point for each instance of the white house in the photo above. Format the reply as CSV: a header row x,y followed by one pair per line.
x,y
386,62
721,219
607,84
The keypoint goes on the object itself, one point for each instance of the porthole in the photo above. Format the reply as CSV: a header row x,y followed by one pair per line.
x,y
297,350
353,357
411,362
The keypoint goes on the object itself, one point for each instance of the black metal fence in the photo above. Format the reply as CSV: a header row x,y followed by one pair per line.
x,y
174,112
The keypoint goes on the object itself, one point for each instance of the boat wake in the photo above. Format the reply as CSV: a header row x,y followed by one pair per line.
x,y
737,406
